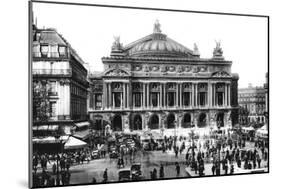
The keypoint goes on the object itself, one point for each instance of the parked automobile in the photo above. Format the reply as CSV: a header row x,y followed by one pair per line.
x,y
124,175
114,154
130,143
136,171
95,154
146,144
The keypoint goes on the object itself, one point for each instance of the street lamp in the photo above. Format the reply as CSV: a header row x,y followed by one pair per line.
x,y
192,134
219,144
57,137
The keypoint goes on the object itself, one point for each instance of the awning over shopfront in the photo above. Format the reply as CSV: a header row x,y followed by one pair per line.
x,y
82,134
74,143
246,129
49,140
262,132
82,124
45,128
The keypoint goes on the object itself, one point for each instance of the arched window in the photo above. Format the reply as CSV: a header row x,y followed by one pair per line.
x,y
117,123
154,122
220,119
186,122
137,122
171,121
202,120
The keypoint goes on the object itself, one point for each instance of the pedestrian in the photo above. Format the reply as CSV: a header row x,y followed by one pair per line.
x,y
105,175
178,169
154,173
161,171
151,175
231,169
213,169
54,168
94,180
195,167
259,162
226,169
67,177
218,170
187,157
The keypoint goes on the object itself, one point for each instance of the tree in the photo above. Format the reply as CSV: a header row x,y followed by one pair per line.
x,y
41,103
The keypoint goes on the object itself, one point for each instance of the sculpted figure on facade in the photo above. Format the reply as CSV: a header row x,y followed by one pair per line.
x,y
116,44
163,69
218,50
180,69
146,68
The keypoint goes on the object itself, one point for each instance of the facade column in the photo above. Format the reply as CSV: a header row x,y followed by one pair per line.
x,y
109,95
225,95
161,95
177,94
192,95
215,95
229,95
124,96
209,94
164,95
104,95
128,94
195,94
143,95
113,95
147,93
67,95
158,99
181,95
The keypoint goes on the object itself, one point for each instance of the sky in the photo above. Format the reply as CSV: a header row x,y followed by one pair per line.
x,y
91,30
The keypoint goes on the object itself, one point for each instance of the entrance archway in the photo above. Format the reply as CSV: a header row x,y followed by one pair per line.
x,y
202,121
171,121
154,122
117,123
186,121
220,119
137,122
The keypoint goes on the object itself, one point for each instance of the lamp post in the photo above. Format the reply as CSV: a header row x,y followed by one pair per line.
x,y
192,147
219,144
57,136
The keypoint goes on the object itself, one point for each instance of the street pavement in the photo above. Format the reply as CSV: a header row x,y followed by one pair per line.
x,y
84,173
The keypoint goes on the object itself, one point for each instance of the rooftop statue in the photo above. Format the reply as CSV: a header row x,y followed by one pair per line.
x,y
116,44
218,50
157,26
195,49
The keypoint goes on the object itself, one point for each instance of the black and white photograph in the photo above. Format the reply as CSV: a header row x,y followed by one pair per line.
x,y
128,94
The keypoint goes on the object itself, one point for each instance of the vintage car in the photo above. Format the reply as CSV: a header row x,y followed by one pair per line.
x,y
95,154
136,171
113,153
124,175
130,143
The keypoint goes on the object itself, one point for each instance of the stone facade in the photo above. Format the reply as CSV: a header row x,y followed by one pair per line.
x,y
157,84
252,102
57,69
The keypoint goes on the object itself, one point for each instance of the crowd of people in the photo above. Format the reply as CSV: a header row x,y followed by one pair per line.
x,y
223,154
60,164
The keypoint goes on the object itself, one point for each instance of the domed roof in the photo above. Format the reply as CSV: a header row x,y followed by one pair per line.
x,y
158,44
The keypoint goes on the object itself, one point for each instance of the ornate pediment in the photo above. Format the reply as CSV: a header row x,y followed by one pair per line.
x,y
117,72
221,74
